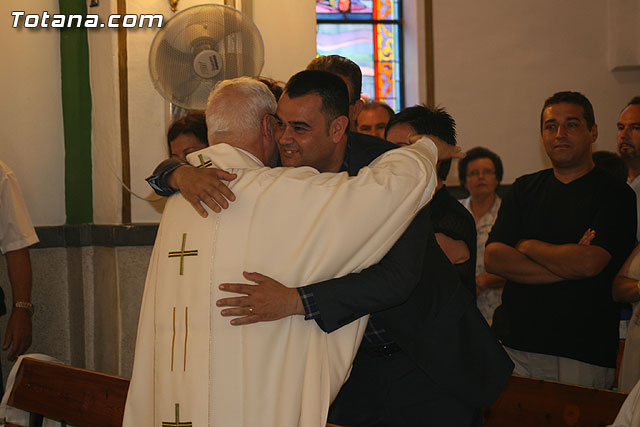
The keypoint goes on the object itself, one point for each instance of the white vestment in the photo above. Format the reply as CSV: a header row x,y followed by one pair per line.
x,y
629,415
295,225
630,363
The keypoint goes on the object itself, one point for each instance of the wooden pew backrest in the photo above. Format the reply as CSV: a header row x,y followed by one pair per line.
x,y
69,394
72,395
531,402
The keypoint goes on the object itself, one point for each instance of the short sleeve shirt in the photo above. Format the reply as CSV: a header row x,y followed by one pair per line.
x,y
16,229
577,319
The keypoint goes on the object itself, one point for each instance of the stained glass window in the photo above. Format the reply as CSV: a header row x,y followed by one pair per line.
x,y
367,32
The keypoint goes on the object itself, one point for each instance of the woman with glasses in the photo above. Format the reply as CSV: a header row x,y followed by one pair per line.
x,y
480,172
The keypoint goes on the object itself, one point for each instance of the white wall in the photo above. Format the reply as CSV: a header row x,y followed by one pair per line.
x,y
31,135
414,44
147,109
288,28
496,61
105,115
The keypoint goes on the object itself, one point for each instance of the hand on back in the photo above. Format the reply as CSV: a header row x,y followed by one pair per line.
x,y
203,187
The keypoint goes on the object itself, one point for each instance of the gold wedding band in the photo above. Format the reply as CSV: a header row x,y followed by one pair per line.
x,y
251,309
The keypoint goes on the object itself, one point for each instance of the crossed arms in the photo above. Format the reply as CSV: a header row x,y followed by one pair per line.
x,y
536,262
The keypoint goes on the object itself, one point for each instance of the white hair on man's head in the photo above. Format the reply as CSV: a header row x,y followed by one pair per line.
x,y
236,107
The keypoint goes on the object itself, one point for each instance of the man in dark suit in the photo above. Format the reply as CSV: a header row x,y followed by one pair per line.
x,y
428,357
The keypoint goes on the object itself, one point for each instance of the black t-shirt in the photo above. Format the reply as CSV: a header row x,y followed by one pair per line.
x,y
452,219
577,319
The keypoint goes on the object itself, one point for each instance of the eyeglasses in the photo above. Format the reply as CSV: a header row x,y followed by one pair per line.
x,y
477,173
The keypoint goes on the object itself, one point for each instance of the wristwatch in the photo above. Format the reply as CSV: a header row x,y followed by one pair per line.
x,y
24,305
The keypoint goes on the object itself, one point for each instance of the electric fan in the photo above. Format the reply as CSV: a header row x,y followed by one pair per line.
x,y
199,47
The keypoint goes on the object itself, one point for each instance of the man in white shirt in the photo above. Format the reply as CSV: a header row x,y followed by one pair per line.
x,y
16,235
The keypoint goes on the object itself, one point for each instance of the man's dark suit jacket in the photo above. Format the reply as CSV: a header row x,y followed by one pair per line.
x,y
417,297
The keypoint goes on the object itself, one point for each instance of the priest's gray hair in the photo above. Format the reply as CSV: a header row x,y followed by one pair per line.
x,y
236,107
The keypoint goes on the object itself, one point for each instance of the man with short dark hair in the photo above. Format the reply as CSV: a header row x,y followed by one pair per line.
x,y
305,141
560,237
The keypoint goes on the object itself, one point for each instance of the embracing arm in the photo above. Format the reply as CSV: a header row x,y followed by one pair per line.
x,y
381,286
198,185
508,262
406,175
456,250
203,186
569,261
338,301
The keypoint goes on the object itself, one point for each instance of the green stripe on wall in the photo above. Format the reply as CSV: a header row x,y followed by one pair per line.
x,y
76,111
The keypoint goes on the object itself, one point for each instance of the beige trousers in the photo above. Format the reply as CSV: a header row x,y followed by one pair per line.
x,y
560,369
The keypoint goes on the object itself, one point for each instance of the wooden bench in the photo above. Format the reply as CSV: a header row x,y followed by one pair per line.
x,y
72,395
68,394
88,398
528,402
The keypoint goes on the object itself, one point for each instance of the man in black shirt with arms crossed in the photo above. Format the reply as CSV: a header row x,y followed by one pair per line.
x,y
560,237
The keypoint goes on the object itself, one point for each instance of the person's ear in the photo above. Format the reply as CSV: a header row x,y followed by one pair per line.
x,y
339,127
355,108
594,133
268,126
267,129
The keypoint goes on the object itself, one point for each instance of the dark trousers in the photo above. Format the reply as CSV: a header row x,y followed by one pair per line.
x,y
391,390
